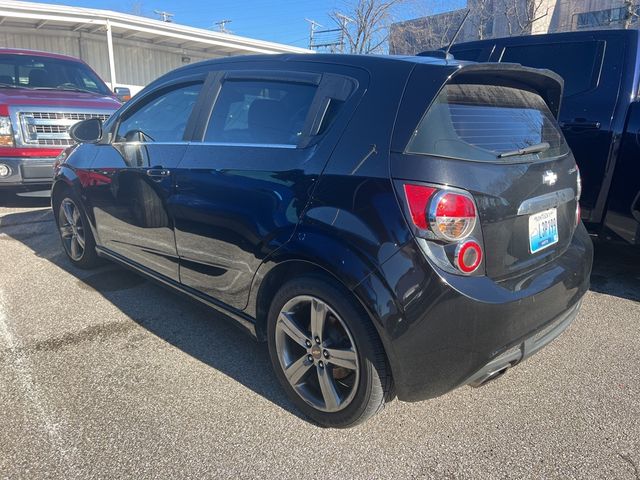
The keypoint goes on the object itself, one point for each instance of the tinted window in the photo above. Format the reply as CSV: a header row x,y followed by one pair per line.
x,y
472,55
163,118
478,122
577,62
260,112
29,71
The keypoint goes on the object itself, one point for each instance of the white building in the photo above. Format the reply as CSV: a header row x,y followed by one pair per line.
x,y
125,50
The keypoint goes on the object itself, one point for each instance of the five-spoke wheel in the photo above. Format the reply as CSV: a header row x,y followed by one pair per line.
x,y
326,352
71,229
317,353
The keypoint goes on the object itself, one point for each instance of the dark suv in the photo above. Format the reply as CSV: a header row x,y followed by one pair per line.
x,y
390,226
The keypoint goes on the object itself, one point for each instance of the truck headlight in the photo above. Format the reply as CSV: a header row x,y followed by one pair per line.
x,y
6,132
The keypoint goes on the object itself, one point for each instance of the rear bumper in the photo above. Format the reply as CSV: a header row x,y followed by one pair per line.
x,y
27,172
451,330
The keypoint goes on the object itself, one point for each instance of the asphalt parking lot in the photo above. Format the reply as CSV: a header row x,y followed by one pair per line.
x,y
106,375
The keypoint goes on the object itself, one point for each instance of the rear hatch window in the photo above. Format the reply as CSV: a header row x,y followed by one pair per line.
x,y
485,122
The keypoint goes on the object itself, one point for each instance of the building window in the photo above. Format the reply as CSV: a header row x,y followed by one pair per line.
x,y
604,18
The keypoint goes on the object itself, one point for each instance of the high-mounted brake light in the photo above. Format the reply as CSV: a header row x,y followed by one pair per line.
x,y
452,215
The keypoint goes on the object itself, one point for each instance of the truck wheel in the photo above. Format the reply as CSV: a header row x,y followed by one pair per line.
x,y
75,232
326,353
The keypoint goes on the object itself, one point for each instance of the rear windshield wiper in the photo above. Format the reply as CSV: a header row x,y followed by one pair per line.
x,y
537,148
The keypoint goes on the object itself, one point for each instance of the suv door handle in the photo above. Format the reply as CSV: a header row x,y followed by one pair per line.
x,y
580,124
158,172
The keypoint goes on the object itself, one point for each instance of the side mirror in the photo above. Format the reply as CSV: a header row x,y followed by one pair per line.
x,y
87,131
123,93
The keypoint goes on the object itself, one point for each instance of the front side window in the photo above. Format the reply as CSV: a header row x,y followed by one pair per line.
x,y
162,119
260,112
481,122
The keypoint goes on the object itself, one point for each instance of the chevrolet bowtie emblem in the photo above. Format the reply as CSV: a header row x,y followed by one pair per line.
x,y
549,178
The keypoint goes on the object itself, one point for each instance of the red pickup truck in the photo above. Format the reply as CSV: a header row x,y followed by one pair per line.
x,y
41,96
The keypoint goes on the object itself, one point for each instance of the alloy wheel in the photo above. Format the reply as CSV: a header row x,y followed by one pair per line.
x,y
71,229
317,353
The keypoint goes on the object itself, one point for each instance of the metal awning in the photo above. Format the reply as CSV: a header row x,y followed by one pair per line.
x,y
120,25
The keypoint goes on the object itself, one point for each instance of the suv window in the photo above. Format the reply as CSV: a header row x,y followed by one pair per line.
x,y
478,122
260,112
579,63
161,119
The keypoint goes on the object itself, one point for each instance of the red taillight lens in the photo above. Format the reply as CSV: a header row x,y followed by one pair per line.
x,y
468,256
452,215
418,198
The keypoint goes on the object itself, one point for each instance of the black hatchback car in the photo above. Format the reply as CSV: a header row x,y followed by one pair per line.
x,y
391,226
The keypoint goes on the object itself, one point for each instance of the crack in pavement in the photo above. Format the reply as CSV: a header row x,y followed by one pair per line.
x,y
627,458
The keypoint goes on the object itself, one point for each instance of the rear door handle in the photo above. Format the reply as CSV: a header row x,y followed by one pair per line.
x,y
579,124
158,172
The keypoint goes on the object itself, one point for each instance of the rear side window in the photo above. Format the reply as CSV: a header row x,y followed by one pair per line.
x,y
579,63
479,122
260,112
471,55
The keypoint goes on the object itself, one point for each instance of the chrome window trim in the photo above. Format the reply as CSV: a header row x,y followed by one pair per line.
x,y
258,145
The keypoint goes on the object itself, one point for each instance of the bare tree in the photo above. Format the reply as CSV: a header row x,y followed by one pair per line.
x,y
521,15
365,24
481,17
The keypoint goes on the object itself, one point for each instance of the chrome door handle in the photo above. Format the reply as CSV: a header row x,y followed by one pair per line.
x,y
158,172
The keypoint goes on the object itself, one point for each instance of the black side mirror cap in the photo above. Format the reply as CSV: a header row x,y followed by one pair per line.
x,y
87,131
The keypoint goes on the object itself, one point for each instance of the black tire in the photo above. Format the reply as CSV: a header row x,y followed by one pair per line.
x,y
375,384
89,258
148,210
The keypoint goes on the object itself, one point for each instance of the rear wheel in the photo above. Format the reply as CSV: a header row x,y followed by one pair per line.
x,y
326,353
75,232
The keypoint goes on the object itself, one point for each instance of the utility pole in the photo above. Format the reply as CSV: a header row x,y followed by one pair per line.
x,y
222,25
312,30
164,16
344,21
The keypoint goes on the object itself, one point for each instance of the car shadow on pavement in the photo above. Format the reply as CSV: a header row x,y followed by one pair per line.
x,y
195,329
616,269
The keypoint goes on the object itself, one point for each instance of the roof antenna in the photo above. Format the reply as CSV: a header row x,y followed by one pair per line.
x,y
444,54
455,36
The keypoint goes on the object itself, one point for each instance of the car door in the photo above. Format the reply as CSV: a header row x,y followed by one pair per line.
x,y
241,190
132,177
591,68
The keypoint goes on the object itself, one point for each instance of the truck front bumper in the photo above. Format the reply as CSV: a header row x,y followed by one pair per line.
x,y
29,172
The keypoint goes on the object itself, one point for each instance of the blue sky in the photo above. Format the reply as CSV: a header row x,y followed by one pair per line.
x,y
274,20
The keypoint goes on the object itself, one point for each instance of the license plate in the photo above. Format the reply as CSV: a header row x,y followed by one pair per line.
x,y
543,230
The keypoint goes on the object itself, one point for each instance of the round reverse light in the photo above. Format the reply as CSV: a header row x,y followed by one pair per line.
x,y
468,256
5,171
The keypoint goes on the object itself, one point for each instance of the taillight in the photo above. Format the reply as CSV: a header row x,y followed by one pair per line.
x,y
418,198
6,131
468,256
449,216
452,215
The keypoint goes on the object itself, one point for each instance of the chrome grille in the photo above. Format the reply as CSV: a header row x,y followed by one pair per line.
x,y
51,128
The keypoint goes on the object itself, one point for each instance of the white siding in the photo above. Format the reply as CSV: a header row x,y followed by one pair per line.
x,y
137,62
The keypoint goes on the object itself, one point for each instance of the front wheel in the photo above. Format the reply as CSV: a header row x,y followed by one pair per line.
x,y
326,353
75,232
